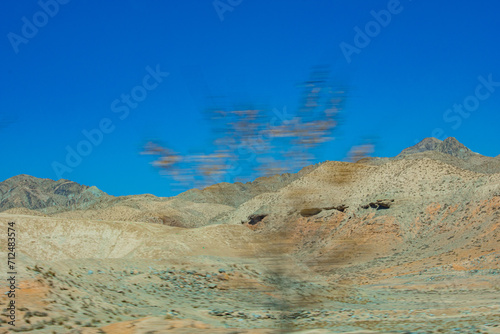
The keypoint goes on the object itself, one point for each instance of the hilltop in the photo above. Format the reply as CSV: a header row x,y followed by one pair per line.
x,y
449,151
46,195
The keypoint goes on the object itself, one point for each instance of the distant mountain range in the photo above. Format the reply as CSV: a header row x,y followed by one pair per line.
x,y
49,196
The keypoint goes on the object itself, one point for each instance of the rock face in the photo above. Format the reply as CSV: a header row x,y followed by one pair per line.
x,y
379,204
449,146
24,191
427,144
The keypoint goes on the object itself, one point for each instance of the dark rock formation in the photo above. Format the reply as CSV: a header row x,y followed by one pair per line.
x,y
340,208
380,204
310,212
24,191
449,146
254,219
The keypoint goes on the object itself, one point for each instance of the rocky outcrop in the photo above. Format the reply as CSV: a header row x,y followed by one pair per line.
x,y
379,204
46,195
310,212
255,219
340,208
449,146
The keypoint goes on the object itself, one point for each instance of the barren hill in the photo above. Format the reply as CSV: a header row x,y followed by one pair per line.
x,y
24,191
449,151
449,146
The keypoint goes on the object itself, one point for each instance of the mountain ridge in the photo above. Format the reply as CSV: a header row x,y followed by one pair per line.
x,y
47,195
449,146
449,151
50,196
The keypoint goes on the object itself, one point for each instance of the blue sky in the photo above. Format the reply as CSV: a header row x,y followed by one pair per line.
x,y
63,78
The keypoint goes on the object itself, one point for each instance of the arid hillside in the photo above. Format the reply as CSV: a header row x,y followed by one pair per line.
x,y
409,244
